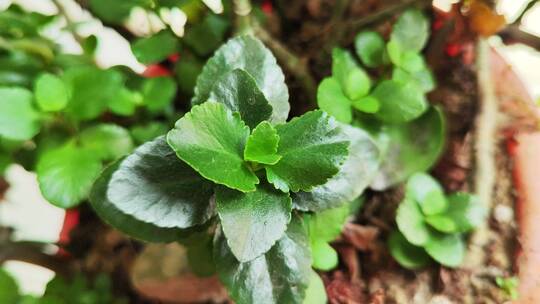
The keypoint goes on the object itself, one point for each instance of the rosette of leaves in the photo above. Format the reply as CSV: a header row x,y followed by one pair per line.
x,y
234,168
432,225
393,106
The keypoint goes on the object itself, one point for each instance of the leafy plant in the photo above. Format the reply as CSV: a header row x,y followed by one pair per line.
x,y
432,224
234,155
392,108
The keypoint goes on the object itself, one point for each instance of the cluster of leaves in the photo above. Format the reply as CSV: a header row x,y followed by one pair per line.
x,y
234,170
393,108
432,224
65,118
77,290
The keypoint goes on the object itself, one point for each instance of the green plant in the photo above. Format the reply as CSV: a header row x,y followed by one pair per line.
x,y
388,97
509,285
235,156
432,224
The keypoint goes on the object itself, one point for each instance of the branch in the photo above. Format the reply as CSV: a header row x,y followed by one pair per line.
x,y
512,34
529,5
33,254
70,22
485,143
391,10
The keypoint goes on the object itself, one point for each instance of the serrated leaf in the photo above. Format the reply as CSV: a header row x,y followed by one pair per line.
x,y
464,213
239,92
91,89
51,93
410,221
331,99
262,145
249,54
124,222
280,276
325,258
367,104
427,192
18,118
158,93
354,81
370,47
211,139
353,177
410,148
253,222
312,149
66,175
154,186
155,48
399,102
315,293
107,141
447,249
411,30
405,253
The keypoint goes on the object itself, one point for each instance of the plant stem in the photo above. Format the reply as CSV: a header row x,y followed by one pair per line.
x,y
70,22
294,65
242,10
31,253
529,5
355,25
486,128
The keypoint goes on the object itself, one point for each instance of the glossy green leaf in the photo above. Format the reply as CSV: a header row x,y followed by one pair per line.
x,y
66,175
154,186
427,192
356,173
279,276
395,52
124,222
411,30
327,225
370,47
423,79
18,118
315,293
253,222
367,104
9,291
410,221
249,54
107,141
158,93
90,89
410,148
124,102
239,92
206,36
405,253
211,139
464,213
447,249
399,102
354,81
325,258
51,93
156,47
262,145
331,99
312,148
